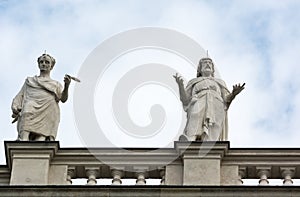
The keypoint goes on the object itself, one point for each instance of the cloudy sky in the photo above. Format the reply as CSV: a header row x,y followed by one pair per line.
x,y
256,42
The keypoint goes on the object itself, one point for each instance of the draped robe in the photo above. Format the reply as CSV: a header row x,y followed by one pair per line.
x,y
207,109
37,102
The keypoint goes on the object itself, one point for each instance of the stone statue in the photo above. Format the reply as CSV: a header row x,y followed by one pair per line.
x,y
36,105
206,101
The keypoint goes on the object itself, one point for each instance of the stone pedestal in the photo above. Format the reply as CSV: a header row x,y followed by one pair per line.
x,y
173,175
30,162
201,162
230,175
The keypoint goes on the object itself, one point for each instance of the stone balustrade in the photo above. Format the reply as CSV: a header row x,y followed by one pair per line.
x,y
187,164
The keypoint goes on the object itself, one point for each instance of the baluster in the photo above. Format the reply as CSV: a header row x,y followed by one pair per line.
x,y
140,178
287,174
92,173
242,174
117,175
70,175
162,173
141,173
263,173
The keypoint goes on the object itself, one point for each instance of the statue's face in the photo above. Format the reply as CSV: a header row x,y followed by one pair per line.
x,y
45,63
207,67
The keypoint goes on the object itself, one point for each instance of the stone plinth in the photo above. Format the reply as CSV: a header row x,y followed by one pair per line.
x,y
201,162
30,162
174,173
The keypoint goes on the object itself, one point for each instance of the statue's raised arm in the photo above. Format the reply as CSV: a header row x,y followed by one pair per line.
x,y
206,100
183,95
235,91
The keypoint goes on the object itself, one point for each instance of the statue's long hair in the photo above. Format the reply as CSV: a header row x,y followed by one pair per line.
x,y
200,66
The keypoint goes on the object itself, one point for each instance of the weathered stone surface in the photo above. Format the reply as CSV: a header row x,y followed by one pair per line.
x,y
149,191
30,162
201,171
174,174
195,163
30,170
36,108
58,175
206,100
229,175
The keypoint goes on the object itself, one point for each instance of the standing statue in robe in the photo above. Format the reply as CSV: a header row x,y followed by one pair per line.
x,y
36,108
206,101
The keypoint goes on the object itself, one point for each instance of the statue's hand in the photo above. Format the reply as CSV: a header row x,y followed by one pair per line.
x,y
15,115
183,95
67,79
237,89
178,79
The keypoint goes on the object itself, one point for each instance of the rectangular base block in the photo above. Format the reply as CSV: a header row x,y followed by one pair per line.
x,y
201,172
30,171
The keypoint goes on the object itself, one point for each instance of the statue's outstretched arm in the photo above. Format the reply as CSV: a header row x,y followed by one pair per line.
x,y
64,95
183,95
235,91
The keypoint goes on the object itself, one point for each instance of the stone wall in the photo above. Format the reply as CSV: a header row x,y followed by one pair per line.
x,y
151,191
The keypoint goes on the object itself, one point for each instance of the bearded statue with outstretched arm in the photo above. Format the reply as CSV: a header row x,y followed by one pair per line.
x,y
206,100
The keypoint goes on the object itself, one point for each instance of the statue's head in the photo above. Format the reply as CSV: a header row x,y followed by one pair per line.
x,y
46,59
205,60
